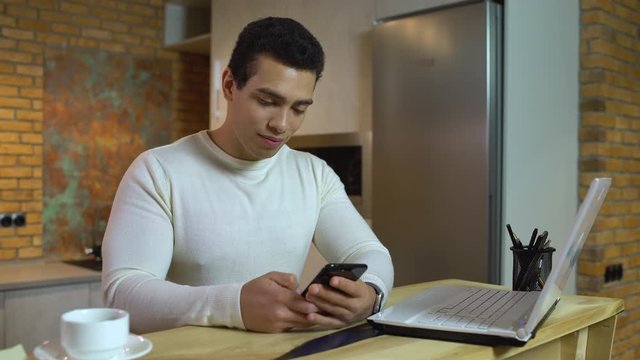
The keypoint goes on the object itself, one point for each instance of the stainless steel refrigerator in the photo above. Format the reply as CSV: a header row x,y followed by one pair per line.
x,y
436,142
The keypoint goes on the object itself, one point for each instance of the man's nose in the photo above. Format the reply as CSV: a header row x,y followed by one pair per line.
x,y
279,122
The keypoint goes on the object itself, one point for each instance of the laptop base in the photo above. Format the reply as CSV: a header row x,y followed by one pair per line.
x,y
469,338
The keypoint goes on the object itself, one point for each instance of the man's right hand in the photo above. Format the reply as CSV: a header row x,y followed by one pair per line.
x,y
271,303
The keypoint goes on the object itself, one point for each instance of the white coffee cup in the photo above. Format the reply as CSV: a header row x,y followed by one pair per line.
x,y
96,333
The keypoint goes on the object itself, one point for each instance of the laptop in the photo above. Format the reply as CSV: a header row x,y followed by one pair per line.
x,y
491,316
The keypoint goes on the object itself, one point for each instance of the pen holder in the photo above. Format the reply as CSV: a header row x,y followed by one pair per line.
x,y
528,276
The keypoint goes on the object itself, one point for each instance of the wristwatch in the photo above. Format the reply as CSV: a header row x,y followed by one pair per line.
x,y
378,303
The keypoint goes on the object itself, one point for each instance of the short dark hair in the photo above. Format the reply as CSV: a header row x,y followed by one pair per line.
x,y
283,39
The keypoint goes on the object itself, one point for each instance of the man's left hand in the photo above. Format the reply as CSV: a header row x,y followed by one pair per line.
x,y
345,301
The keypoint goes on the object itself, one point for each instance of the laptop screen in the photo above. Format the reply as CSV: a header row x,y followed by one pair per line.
x,y
562,269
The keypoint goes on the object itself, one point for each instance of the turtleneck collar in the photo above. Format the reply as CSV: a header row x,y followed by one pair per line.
x,y
235,163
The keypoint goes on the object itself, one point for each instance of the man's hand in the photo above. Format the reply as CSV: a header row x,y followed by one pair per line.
x,y
270,303
353,302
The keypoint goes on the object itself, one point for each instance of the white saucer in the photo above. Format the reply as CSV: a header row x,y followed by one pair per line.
x,y
136,347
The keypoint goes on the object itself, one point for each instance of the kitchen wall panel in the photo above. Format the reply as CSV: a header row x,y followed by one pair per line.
x,y
102,110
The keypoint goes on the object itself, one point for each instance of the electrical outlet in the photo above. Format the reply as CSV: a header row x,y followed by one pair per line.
x,y
5,220
19,219
613,272
13,219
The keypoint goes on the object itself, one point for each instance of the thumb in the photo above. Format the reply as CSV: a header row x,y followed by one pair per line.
x,y
286,280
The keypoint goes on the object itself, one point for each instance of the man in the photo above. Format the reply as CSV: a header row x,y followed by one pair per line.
x,y
214,229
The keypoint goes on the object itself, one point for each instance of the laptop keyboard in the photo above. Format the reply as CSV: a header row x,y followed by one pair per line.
x,y
474,308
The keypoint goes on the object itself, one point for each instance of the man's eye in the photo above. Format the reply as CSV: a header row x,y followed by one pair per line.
x,y
298,111
266,102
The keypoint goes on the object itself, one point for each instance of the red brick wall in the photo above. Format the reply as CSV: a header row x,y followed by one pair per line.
x,y
28,29
610,146
191,90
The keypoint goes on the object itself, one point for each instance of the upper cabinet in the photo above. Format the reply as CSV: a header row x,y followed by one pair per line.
x,y
228,17
187,25
390,8
342,100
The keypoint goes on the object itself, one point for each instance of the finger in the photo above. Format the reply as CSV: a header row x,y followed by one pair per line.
x,y
314,289
285,280
333,302
298,324
302,306
335,309
325,321
327,294
287,319
349,287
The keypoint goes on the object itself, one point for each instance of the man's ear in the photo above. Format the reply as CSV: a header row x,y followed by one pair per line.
x,y
228,84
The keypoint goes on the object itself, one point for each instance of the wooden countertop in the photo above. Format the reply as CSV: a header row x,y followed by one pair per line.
x,y
573,312
39,273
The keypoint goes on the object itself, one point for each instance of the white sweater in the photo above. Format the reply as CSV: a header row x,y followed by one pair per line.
x,y
191,224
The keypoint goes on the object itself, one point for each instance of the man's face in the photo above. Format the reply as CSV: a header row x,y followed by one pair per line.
x,y
267,111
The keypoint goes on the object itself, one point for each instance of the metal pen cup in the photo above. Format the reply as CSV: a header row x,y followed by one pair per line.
x,y
527,276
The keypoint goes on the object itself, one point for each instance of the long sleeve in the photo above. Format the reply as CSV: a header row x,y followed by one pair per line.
x,y
138,250
342,235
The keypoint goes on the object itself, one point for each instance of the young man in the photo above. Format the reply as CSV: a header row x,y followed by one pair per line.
x,y
214,229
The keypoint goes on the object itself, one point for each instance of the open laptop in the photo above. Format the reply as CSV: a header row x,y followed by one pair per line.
x,y
491,316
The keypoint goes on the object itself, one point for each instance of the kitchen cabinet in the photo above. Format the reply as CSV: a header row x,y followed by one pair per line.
x,y
342,100
228,17
187,24
33,295
2,321
33,315
95,294
389,8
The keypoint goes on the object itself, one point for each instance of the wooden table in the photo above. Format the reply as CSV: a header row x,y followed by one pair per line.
x,y
580,327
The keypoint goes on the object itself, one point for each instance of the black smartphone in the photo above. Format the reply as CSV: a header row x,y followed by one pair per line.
x,y
346,270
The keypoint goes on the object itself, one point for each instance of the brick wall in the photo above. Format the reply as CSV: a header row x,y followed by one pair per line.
x,y
29,29
610,146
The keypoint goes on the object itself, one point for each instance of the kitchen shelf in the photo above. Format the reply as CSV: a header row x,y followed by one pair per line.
x,y
200,44
188,26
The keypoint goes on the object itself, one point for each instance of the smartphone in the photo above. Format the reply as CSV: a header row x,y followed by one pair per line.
x,y
349,271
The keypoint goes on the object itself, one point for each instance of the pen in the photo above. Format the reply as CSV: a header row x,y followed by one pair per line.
x,y
538,245
514,239
533,237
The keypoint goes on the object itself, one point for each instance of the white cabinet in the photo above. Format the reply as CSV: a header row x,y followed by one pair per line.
x,y
95,295
2,345
228,18
342,100
389,8
32,315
